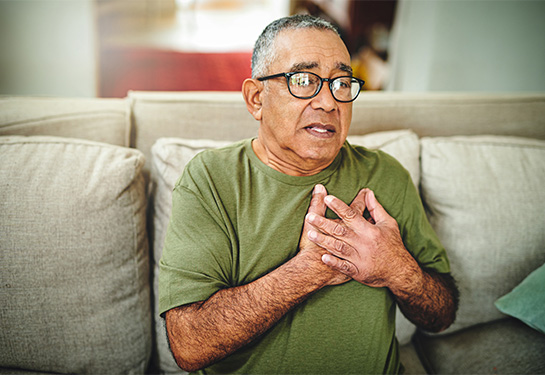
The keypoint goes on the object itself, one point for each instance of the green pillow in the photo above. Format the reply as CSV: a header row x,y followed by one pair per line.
x,y
527,300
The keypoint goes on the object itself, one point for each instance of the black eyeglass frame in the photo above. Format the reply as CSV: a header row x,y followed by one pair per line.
x,y
322,80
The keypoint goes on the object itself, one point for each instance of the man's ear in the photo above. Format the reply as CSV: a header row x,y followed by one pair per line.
x,y
251,90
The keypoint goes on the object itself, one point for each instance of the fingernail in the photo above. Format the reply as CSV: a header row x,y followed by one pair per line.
x,y
311,216
319,188
312,234
328,199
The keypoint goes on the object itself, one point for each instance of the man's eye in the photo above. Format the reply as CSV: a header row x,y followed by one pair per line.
x,y
300,80
343,83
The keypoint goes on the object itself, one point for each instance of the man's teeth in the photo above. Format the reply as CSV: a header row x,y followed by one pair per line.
x,y
320,130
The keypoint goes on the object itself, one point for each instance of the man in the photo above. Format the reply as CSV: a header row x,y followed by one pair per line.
x,y
256,277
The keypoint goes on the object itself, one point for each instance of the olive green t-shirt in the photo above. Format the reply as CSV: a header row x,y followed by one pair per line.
x,y
234,219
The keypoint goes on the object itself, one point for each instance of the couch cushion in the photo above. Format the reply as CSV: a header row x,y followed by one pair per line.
x,y
169,157
506,346
204,115
484,198
526,301
403,145
73,243
100,120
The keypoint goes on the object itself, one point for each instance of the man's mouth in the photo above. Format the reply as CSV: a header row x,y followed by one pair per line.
x,y
322,131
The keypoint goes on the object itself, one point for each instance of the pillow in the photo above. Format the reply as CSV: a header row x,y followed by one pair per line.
x,y
526,301
169,157
73,244
484,198
403,145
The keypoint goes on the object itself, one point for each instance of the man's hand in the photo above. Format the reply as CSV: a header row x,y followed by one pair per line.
x,y
372,252
314,252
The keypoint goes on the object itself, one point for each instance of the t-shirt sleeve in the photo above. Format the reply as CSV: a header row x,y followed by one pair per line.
x,y
418,235
196,255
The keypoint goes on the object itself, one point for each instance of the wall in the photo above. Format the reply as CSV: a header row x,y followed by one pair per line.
x,y
478,45
47,48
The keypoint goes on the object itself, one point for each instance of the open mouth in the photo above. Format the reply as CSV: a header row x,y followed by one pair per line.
x,y
321,130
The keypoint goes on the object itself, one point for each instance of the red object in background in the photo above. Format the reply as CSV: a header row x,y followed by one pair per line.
x,y
124,69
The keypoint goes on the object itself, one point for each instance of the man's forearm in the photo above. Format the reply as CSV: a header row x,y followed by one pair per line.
x,y
429,300
202,333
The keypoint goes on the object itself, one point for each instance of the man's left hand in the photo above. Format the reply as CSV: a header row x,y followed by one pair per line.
x,y
370,251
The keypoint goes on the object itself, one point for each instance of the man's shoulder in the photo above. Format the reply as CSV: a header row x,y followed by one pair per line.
x,y
224,156
213,163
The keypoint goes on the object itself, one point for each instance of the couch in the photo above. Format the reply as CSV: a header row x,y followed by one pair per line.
x,y
85,199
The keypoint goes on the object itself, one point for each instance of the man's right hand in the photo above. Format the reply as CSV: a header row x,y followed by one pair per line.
x,y
312,252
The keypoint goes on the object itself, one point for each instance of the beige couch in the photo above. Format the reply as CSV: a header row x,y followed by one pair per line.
x,y
85,197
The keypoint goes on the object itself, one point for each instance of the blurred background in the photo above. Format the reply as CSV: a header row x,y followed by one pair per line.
x,y
104,48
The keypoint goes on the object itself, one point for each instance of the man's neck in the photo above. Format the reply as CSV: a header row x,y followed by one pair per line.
x,y
291,168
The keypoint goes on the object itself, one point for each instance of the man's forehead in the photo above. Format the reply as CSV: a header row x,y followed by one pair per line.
x,y
307,49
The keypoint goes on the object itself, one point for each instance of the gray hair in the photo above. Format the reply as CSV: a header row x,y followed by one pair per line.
x,y
263,53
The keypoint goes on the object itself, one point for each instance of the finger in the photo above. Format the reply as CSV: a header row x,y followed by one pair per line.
x,y
378,213
340,265
358,204
345,212
317,204
327,226
333,245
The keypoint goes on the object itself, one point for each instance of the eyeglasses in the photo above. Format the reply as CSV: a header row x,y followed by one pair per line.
x,y
306,85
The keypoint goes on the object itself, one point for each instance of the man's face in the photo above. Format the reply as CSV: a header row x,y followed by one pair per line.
x,y
305,133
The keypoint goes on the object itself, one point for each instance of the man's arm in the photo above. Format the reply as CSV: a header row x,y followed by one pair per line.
x,y
205,332
372,252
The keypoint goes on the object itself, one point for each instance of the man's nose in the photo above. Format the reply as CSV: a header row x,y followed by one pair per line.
x,y
324,100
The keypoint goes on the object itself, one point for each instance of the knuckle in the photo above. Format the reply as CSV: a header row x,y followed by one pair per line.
x,y
340,247
338,230
346,268
350,213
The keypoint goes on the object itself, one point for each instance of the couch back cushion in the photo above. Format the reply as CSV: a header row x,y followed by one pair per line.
x,y
73,243
189,115
484,196
223,115
436,114
100,120
169,157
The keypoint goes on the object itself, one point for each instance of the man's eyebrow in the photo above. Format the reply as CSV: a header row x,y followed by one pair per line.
x,y
313,64
345,68
303,66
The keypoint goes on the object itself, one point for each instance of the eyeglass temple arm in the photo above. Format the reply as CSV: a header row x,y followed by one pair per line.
x,y
273,76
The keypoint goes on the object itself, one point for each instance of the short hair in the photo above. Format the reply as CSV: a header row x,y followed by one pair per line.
x,y
263,53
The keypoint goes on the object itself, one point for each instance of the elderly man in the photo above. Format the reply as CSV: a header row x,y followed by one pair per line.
x,y
262,270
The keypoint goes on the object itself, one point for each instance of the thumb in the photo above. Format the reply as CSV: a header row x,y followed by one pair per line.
x,y
317,204
378,213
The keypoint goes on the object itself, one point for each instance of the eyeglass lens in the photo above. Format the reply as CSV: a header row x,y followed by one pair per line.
x,y
305,85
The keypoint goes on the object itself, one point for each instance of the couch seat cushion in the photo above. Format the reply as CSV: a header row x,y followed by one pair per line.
x,y
73,243
505,346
